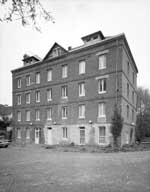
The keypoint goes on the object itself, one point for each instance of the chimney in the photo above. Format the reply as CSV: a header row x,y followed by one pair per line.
x,y
69,48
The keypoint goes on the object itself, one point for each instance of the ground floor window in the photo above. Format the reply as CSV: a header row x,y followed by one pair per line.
x,y
65,132
27,133
82,135
102,134
18,133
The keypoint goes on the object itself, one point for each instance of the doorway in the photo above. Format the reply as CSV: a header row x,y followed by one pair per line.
x,y
37,135
49,136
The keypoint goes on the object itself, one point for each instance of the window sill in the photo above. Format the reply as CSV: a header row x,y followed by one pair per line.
x,y
102,92
81,117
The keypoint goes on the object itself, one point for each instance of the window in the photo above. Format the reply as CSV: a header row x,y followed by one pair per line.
x,y
18,133
128,68
27,115
82,67
102,134
82,135
49,114
128,90
65,132
132,115
127,111
49,94
28,80
64,91
81,89
102,85
27,133
101,110
133,77
19,82
64,112
18,115
37,78
102,62
132,97
37,115
18,99
37,96
49,75
81,111
64,71
27,97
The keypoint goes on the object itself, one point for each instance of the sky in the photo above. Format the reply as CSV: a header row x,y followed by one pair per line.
x,y
73,20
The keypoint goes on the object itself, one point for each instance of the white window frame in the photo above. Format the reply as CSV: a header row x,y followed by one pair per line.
x,y
19,99
37,115
49,75
65,132
102,137
27,133
18,133
82,66
19,82
64,71
102,85
28,98
28,115
49,94
28,80
18,116
64,112
64,91
81,89
101,110
37,96
37,78
102,62
82,138
81,110
49,113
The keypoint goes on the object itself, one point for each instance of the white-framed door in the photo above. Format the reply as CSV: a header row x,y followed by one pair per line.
x,y
49,136
37,135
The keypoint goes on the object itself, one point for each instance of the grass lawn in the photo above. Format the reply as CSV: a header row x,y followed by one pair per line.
x,y
36,169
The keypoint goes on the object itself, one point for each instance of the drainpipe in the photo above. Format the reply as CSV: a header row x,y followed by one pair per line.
x,y
117,55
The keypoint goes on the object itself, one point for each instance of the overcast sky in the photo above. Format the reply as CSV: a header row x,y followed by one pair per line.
x,y
74,19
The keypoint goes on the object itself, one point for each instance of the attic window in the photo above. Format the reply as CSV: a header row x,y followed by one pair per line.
x,y
95,37
56,52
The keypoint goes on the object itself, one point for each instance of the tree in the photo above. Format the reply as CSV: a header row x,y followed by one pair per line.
x,y
116,126
28,11
143,117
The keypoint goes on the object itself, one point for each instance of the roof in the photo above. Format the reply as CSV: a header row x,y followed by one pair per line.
x,y
27,57
53,47
82,47
93,34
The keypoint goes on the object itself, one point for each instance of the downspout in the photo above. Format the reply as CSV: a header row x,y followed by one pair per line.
x,y
117,54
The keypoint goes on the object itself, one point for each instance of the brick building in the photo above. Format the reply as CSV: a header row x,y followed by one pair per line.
x,y
69,96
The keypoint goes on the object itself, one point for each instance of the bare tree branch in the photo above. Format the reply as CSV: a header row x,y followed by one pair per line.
x,y
28,11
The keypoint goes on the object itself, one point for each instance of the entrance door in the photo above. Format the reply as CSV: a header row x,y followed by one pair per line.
x,y
49,136
127,138
37,135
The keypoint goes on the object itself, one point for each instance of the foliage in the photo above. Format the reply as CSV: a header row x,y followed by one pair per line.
x,y
143,117
143,125
5,122
116,126
28,11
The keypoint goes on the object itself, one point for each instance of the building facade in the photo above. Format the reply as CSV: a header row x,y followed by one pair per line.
x,y
69,95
